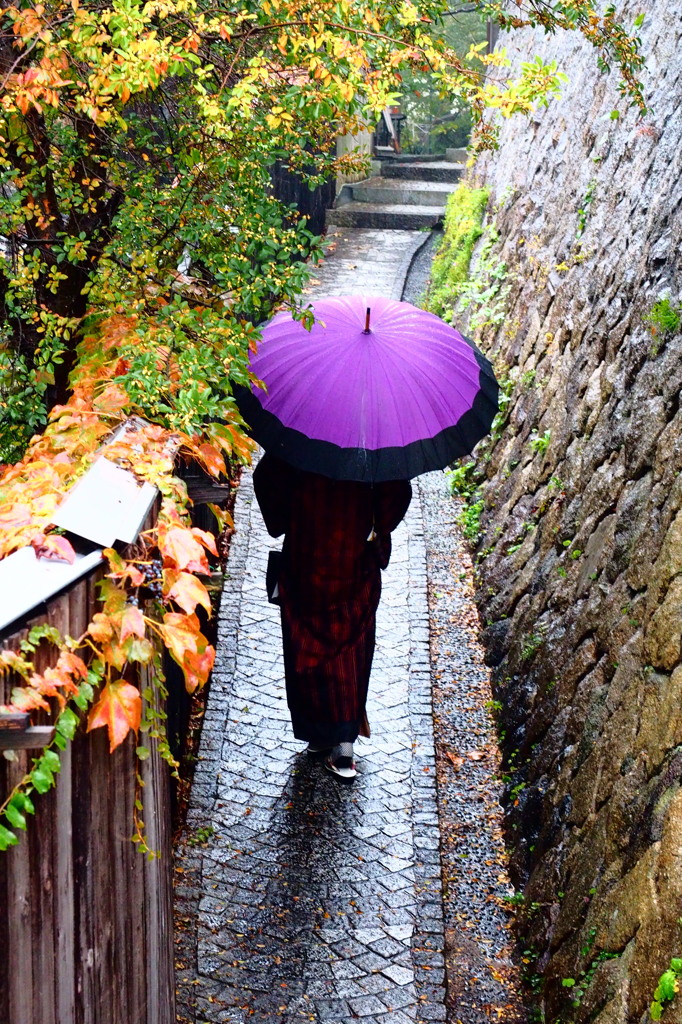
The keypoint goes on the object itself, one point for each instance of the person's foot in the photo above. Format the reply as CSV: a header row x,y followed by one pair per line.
x,y
341,763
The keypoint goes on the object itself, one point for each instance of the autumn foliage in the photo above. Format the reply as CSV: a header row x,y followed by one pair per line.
x,y
141,245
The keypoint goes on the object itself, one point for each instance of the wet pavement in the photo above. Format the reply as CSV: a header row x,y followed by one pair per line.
x,y
298,898
316,901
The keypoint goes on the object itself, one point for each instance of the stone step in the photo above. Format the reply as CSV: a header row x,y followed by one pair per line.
x,y
421,170
398,190
457,156
387,153
402,216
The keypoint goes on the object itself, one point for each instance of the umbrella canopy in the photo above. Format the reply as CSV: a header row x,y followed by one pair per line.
x,y
403,396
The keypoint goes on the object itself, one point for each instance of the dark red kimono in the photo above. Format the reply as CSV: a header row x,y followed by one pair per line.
x,y
329,584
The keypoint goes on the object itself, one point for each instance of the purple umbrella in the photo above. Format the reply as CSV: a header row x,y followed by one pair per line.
x,y
377,390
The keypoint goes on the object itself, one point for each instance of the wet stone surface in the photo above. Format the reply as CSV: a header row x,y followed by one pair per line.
x,y
313,900
299,898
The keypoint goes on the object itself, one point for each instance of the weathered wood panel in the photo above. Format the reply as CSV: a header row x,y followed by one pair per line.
x,y
290,189
85,927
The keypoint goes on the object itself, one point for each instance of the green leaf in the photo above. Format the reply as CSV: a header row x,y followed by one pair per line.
x,y
568,982
667,987
7,838
85,695
42,780
142,753
655,1010
50,761
676,965
614,115
67,723
15,817
639,20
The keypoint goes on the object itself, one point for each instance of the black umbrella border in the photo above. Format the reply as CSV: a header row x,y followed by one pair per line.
x,y
365,465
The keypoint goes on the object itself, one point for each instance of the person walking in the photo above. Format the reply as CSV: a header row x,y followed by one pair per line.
x,y
337,539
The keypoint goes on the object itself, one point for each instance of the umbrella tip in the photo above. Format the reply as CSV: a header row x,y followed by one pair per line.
x,y
367,330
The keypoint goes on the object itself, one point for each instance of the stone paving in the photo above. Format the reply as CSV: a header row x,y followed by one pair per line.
x,y
300,898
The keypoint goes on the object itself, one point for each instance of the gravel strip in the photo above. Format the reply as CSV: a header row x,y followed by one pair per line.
x,y
482,979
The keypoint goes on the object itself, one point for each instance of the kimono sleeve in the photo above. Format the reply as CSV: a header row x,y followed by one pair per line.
x,y
391,501
272,483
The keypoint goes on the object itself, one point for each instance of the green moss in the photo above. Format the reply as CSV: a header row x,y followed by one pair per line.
x,y
463,227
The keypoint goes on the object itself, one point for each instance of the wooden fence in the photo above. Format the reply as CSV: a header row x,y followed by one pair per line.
x,y
85,919
290,189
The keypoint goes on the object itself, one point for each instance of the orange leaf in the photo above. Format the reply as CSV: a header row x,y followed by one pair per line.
x,y
28,698
134,575
101,627
197,667
72,664
186,590
189,647
180,633
181,550
121,570
113,399
53,546
222,515
132,623
53,681
15,662
211,459
205,538
119,709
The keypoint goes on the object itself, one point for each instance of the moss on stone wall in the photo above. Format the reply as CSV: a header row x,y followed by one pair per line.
x,y
581,584
463,227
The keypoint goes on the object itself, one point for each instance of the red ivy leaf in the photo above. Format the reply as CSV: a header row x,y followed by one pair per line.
x,y
181,550
205,538
119,708
186,590
53,546
132,623
211,459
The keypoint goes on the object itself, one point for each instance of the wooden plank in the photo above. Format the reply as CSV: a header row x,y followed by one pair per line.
x,y
65,996
20,968
159,893
32,738
85,897
88,922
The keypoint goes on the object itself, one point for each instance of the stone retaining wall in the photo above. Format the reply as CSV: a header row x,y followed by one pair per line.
x,y
581,554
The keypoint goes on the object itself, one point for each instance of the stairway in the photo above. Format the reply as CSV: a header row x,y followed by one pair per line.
x,y
409,193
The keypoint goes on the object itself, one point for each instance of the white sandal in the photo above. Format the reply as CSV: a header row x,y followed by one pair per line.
x,y
341,763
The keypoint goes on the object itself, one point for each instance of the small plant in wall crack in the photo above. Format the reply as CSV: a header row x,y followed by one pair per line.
x,y
470,519
667,988
664,319
579,988
532,643
584,210
540,442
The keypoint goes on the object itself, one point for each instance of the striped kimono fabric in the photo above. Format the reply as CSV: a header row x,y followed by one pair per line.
x,y
330,585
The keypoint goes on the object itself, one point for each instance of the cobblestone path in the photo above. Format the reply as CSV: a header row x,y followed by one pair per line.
x,y
302,899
